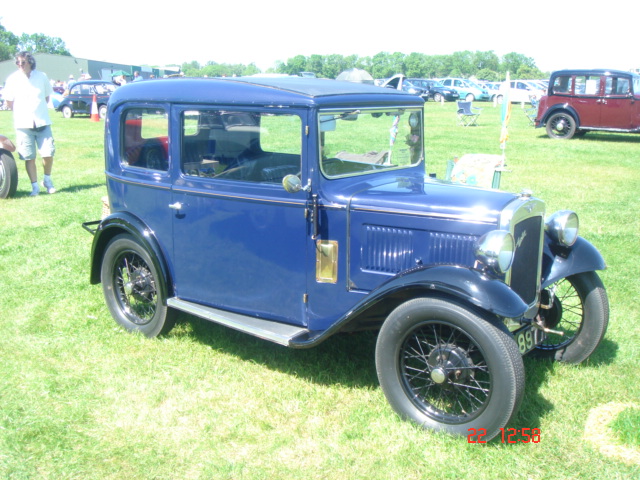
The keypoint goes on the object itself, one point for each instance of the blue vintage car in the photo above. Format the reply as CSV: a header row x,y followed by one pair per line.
x,y
293,209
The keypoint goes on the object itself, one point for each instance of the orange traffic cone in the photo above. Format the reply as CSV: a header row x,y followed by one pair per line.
x,y
95,117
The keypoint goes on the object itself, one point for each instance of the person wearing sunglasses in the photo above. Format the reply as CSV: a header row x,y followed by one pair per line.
x,y
27,93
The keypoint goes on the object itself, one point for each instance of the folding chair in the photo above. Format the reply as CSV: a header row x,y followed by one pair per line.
x,y
468,115
476,169
532,111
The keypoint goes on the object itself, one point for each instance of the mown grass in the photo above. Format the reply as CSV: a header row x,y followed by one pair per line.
x,y
81,399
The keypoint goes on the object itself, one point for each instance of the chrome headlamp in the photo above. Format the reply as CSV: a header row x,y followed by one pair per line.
x,y
496,249
562,227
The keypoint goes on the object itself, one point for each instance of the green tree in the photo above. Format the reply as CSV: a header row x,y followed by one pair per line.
x,y
41,43
512,62
486,61
8,44
488,75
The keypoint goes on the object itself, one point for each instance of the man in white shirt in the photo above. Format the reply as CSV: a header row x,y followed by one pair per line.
x,y
27,93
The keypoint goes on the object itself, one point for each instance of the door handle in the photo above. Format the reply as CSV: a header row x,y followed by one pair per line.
x,y
175,206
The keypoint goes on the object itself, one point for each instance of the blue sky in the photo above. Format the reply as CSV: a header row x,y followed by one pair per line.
x,y
556,35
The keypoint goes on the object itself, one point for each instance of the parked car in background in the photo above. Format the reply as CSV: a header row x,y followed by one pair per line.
x,y
468,90
579,101
400,82
435,90
284,209
80,98
520,91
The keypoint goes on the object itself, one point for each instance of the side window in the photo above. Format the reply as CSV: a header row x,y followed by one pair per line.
x,y
145,143
587,85
617,86
245,146
562,85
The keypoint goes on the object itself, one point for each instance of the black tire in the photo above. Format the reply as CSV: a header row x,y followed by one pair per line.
x,y
437,97
469,97
445,368
102,111
130,285
67,112
499,99
8,175
580,310
561,125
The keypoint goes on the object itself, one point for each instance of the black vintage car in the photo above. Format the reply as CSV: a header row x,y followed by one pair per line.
x,y
80,98
436,91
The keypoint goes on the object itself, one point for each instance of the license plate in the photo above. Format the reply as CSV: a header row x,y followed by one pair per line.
x,y
527,338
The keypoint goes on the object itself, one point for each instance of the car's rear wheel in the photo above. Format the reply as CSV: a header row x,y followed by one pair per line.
x,y
499,99
469,97
131,289
561,125
446,368
437,97
102,111
67,112
8,175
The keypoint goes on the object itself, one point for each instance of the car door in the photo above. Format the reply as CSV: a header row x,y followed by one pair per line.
x,y
618,105
239,240
587,100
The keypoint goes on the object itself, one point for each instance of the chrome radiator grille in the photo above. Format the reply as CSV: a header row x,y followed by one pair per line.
x,y
527,227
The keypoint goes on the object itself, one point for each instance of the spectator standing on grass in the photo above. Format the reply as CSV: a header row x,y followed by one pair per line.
x,y
27,93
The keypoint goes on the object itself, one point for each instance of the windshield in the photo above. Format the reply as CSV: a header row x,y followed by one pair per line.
x,y
359,142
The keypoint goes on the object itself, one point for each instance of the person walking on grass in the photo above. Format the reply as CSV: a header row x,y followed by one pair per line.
x,y
27,93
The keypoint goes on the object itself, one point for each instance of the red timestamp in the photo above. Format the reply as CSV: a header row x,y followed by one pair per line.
x,y
507,435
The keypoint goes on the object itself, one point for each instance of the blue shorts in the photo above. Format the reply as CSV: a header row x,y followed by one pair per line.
x,y
27,139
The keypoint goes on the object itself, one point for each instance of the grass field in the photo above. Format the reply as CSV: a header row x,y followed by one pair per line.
x,y
82,399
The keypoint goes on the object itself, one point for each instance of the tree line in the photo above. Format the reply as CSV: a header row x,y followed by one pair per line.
x,y
481,65
10,44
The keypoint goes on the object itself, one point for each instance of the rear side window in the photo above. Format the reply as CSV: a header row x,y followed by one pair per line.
x,y
145,142
562,85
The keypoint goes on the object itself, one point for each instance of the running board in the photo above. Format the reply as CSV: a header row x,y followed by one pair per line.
x,y
276,332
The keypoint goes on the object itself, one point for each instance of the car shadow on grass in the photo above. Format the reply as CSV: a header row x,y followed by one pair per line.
x,y
345,358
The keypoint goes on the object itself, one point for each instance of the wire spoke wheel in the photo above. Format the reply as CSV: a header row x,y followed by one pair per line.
x,y
446,372
130,281
136,289
578,314
445,367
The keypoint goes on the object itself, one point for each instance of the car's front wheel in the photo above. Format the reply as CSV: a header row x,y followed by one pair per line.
x,y
8,175
576,309
446,368
437,97
131,290
469,97
67,112
561,125
102,111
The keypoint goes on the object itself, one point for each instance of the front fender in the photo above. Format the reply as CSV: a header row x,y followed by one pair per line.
x,y
470,286
119,223
562,262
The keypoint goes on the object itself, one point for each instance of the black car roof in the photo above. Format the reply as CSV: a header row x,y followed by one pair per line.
x,y
591,71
